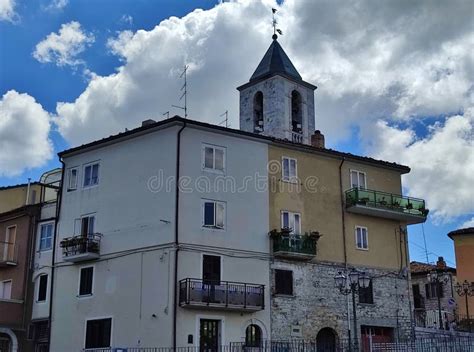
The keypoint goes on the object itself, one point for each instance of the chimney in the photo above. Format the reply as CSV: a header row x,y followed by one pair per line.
x,y
317,139
148,122
441,264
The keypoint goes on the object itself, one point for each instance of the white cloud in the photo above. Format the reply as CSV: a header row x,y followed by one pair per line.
x,y
56,5
442,162
127,19
24,129
7,11
468,223
63,48
385,61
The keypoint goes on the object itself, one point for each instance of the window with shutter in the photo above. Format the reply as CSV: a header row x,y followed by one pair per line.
x,y
366,295
98,333
85,281
283,282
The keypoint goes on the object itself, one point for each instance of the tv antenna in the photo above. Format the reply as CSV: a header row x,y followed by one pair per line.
x,y
167,113
274,23
226,120
184,89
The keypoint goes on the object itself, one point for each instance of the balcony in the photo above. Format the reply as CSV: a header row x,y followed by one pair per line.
x,y
8,254
221,295
297,247
386,205
296,137
81,248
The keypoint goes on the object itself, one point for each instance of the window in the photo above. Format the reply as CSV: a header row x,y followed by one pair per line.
x,y
362,241
431,290
253,336
46,235
87,225
6,289
283,282
42,288
214,214
289,170
98,332
85,281
366,295
417,298
296,112
213,158
8,251
258,112
211,268
72,179
91,175
358,179
291,221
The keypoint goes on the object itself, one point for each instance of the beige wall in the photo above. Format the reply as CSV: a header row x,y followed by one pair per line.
x,y
464,248
318,199
13,198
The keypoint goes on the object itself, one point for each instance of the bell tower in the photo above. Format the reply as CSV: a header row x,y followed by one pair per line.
x,y
276,101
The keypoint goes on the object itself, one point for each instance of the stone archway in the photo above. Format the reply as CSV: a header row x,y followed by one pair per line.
x,y
13,339
326,340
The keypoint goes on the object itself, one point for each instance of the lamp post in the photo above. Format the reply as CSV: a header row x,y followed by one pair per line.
x,y
465,289
438,277
357,280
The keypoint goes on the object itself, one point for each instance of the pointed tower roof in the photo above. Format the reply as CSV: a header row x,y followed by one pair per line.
x,y
275,61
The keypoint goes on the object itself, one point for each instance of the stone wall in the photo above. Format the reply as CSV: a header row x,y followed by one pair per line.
x,y
317,304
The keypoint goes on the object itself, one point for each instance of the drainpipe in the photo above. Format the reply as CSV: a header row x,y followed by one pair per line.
x,y
53,254
176,236
27,200
345,245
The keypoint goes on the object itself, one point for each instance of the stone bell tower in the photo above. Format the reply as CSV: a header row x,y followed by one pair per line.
x,y
276,101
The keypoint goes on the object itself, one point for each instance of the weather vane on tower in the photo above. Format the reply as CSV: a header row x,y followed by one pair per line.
x,y
275,30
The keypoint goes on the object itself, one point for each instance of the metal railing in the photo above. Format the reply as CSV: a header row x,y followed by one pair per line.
x,y
81,244
221,293
294,244
8,253
384,200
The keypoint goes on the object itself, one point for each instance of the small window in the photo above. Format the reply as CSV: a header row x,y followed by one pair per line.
x,y
85,281
213,158
46,237
289,170
87,225
291,221
431,290
42,288
253,336
91,175
98,333
358,179
72,179
366,295
214,214
362,241
284,282
6,289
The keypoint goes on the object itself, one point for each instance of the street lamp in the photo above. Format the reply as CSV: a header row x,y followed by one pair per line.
x,y
438,277
357,280
465,289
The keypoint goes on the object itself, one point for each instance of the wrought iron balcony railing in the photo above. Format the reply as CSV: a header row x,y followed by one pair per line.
x,y
80,248
388,205
296,246
224,295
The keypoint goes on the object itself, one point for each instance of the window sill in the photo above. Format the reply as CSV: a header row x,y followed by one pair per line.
x,y
282,295
213,228
89,187
214,171
362,249
85,296
368,305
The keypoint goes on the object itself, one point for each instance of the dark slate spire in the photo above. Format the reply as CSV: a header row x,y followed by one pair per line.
x,y
275,61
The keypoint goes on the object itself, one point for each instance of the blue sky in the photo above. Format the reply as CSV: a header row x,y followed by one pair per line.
x,y
382,90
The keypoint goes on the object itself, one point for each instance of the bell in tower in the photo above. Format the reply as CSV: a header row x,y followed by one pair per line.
x,y
276,101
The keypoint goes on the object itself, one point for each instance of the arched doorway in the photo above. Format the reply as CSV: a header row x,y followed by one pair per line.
x,y
326,340
253,336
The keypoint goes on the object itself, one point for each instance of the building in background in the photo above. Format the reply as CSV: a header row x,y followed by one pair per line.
x,y
23,207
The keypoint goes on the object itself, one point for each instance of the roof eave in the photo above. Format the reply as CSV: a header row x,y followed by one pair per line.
x,y
267,76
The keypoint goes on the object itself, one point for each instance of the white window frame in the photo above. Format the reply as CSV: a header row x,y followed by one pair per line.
x,y
2,288
38,288
84,174
72,187
366,238
39,236
291,215
358,173
213,168
89,295
77,226
203,212
100,318
290,178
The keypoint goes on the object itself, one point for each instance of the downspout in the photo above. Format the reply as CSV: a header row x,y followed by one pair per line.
x,y
343,211
53,254
176,232
27,200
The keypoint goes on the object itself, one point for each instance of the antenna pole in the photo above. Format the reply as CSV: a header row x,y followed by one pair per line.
x,y
226,120
184,89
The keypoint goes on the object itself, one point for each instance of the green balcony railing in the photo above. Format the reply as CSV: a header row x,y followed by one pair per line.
x,y
384,200
295,244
